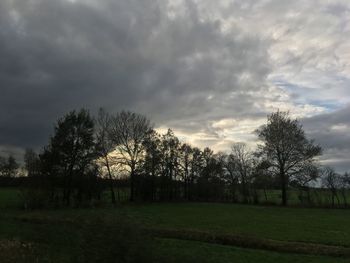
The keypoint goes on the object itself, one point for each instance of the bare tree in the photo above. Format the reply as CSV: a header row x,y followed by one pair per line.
x,y
128,130
32,162
286,148
8,166
303,179
105,146
331,180
243,162
345,186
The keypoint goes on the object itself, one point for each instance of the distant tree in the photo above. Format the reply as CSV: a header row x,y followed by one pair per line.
x,y
286,148
242,159
8,166
332,181
128,131
196,168
210,182
171,158
105,145
303,179
345,186
152,165
71,153
2,165
231,175
32,163
186,157
262,177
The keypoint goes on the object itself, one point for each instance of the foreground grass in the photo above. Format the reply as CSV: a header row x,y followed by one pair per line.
x,y
191,251
65,243
60,235
323,226
10,197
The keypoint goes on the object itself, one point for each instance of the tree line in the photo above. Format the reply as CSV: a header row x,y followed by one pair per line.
x,y
88,156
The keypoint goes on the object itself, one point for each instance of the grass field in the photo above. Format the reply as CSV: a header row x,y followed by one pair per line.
x,y
70,235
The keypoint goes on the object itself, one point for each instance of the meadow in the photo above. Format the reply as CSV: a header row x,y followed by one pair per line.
x,y
173,232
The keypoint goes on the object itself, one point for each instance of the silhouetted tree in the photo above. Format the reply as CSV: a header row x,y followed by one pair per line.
x,y
8,166
170,171
152,165
105,145
210,183
345,186
231,175
263,178
128,131
286,148
242,160
186,157
303,179
331,180
197,166
32,163
70,153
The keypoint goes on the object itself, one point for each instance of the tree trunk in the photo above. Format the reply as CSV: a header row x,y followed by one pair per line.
x,y
284,187
265,194
132,190
110,182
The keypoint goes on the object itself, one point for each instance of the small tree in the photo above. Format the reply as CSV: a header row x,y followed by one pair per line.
x,y
286,148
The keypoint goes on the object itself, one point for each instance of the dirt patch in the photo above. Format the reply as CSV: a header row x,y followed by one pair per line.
x,y
254,243
12,250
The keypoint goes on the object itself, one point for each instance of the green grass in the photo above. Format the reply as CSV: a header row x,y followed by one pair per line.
x,y
10,198
63,243
324,226
58,235
191,251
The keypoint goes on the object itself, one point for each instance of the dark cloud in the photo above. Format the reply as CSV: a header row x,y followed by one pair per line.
x,y
59,55
211,70
332,132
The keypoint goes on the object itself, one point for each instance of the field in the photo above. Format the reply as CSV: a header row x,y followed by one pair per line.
x,y
174,232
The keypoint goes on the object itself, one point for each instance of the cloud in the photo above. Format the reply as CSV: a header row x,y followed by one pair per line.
x,y
210,70
332,132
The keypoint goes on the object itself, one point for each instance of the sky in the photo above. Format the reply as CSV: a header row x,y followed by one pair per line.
x,y
210,70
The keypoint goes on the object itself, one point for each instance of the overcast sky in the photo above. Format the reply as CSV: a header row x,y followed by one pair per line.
x,y
210,70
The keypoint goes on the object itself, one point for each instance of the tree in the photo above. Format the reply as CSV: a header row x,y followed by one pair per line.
x,y
105,146
8,166
231,176
186,157
345,185
152,165
303,179
71,153
170,152
2,165
286,148
332,181
128,131
242,160
32,162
